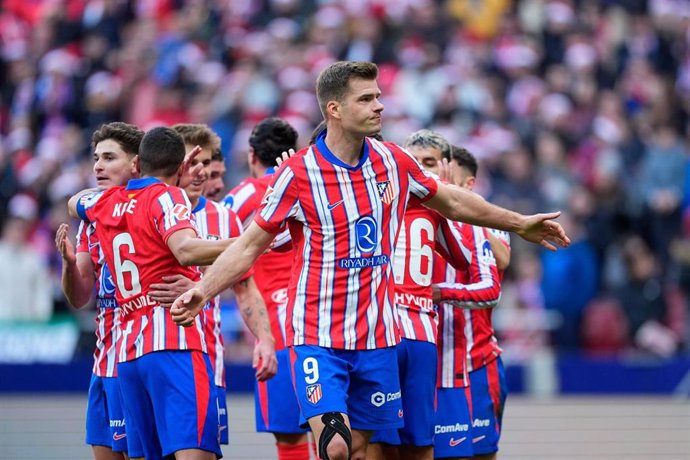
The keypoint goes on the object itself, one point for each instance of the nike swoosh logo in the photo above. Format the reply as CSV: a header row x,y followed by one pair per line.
x,y
222,427
117,437
478,438
455,442
334,205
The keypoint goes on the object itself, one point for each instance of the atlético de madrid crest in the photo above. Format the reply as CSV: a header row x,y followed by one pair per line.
x,y
386,192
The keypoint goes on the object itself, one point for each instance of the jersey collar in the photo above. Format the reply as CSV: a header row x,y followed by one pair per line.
x,y
270,170
200,205
331,158
138,184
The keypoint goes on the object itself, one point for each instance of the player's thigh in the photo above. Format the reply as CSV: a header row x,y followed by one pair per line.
x,y
453,433
418,361
374,397
275,403
321,381
184,397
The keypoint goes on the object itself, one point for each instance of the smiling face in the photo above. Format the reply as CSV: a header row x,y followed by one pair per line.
x,y
196,188
112,165
215,185
360,110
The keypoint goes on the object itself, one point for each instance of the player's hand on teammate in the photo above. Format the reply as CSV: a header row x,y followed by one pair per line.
x,y
544,230
64,245
284,156
264,359
171,288
187,306
444,170
187,173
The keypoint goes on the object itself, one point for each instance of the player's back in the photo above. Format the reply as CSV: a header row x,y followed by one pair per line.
x,y
133,225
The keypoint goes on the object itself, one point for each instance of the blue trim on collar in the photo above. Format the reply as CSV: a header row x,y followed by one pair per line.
x,y
137,184
200,205
269,171
331,158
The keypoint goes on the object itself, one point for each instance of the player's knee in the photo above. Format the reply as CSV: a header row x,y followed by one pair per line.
x,y
337,449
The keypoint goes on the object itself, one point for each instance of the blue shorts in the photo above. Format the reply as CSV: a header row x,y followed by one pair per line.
x,y
453,426
488,387
170,402
222,415
275,403
417,363
105,417
363,384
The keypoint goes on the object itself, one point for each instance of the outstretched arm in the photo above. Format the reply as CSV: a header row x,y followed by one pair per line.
x,y
225,271
190,250
459,204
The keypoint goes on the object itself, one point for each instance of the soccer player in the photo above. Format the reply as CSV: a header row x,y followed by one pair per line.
x,y
423,233
215,185
214,221
164,371
469,347
343,200
276,407
116,146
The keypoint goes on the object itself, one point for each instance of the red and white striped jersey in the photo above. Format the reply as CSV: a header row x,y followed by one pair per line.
x,y
423,232
474,289
215,222
108,311
136,221
344,222
482,346
271,270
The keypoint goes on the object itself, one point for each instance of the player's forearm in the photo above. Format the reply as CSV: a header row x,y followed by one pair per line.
x,y
501,252
466,206
76,286
253,309
196,251
227,269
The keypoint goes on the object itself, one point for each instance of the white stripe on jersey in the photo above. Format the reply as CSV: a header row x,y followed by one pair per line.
x,y
166,202
182,344
139,341
429,325
200,221
219,364
123,341
282,182
158,329
328,248
406,324
415,187
240,198
448,352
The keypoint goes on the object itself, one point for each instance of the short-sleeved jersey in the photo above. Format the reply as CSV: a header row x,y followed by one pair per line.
x,y
344,221
108,311
215,222
476,289
271,270
423,232
136,222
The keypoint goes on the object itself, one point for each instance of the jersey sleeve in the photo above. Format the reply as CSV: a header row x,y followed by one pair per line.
x,y
422,184
243,201
86,204
503,236
171,211
449,244
280,201
82,243
483,289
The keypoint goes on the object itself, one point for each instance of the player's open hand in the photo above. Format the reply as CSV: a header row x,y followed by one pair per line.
x,y
64,245
542,229
444,170
284,156
264,359
172,287
187,173
187,306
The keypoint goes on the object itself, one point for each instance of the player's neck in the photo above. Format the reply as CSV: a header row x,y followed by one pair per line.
x,y
259,171
347,147
169,180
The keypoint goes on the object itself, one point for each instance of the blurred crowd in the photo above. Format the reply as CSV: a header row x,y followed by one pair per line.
x,y
580,106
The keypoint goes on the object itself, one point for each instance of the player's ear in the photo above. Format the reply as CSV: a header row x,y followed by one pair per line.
x,y
333,109
136,167
470,182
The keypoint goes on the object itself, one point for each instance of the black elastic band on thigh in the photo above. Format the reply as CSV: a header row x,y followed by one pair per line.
x,y
334,423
